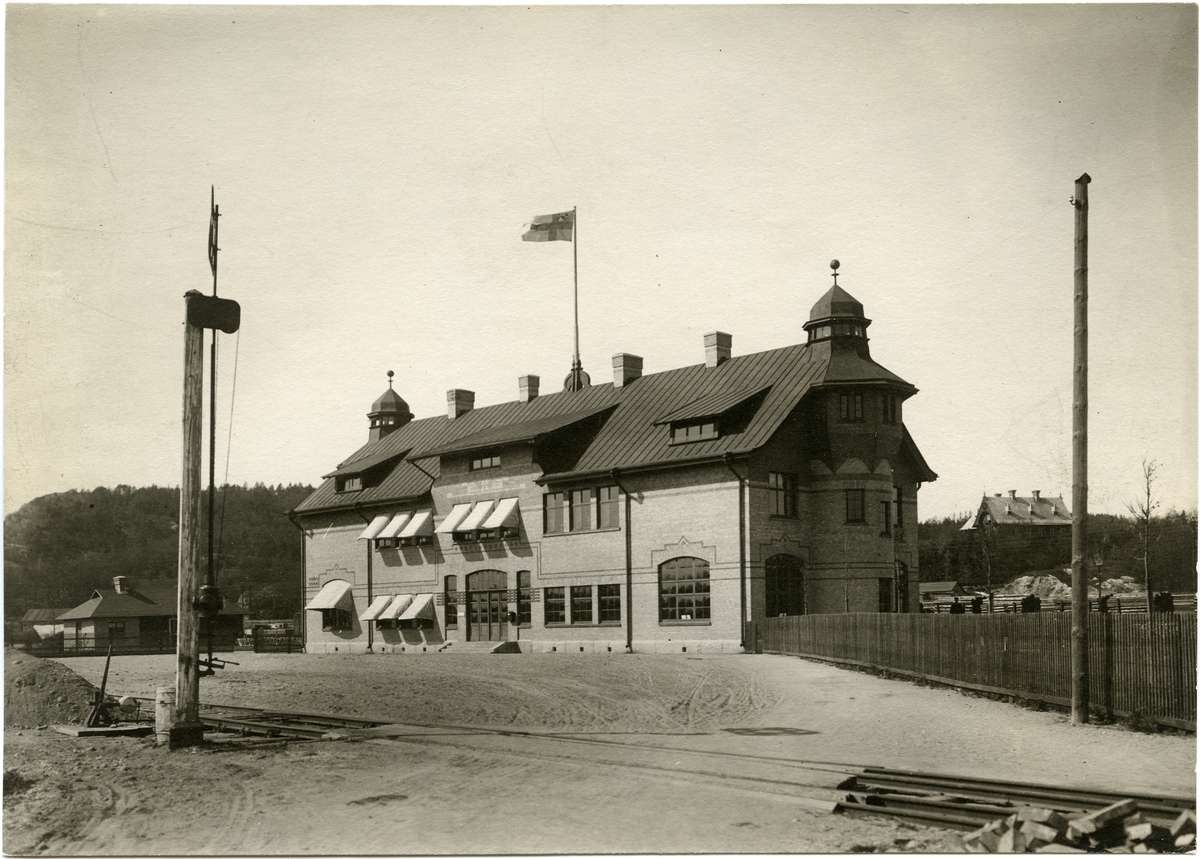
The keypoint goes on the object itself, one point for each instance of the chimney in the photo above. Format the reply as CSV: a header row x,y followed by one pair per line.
x,y
626,368
717,346
529,387
1012,493
120,584
1037,495
459,402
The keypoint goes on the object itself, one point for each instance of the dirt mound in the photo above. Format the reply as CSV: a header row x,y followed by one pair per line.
x,y
1123,585
1044,586
39,692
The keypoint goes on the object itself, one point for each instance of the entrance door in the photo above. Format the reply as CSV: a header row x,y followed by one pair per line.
x,y
487,606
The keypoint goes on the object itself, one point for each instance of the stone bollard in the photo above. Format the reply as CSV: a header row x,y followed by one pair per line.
x,y
164,714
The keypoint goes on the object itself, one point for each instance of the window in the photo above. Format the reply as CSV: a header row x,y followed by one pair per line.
x,y
850,408
856,510
784,585
336,619
683,433
451,600
556,605
783,494
581,604
610,603
524,599
116,629
583,510
885,516
608,511
683,591
885,595
580,510
481,462
890,410
556,512
899,506
350,483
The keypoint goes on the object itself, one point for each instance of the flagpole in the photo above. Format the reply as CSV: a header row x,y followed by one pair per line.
x,y
575,250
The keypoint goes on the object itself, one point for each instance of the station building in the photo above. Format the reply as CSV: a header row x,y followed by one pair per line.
x,y
657,512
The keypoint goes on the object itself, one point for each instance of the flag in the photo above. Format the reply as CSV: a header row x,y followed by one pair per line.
x,y
212,234
551,228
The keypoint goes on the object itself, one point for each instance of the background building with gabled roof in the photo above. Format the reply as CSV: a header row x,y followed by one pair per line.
x,y
657,511
142,619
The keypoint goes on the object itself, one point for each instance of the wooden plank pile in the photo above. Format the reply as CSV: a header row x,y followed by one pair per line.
x,y
1116,828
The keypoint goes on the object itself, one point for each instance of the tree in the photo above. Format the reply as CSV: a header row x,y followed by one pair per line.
x,y
1142,511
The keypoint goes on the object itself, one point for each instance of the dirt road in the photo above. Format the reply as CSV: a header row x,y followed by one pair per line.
x,y
546,753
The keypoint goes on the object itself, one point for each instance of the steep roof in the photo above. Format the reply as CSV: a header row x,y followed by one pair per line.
x,y
1021,510
760,389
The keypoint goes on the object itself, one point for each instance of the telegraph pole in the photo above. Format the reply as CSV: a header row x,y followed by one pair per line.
x,y
1079,597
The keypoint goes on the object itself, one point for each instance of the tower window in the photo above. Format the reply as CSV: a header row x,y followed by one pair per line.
x,y
890,409
850,408
856,511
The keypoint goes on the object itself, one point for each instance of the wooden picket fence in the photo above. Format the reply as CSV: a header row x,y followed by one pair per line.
x,y
1139,665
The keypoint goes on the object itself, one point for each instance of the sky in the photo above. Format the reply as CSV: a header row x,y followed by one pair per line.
x,y
375,167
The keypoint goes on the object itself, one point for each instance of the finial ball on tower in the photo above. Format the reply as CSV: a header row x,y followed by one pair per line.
x,y
835,265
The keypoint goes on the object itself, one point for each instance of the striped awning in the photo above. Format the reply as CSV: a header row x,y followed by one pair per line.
x,y
456,515
397,605
335,594
420,525
475,518
376,606
377,525
506,515
393,528
421,606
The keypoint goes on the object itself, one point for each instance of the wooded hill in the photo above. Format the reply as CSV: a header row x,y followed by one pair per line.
x,y
59,548
948,554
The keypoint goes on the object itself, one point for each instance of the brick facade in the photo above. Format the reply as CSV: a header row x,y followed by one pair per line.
x,y
829,494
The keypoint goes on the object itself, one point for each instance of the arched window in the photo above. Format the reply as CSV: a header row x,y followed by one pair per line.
x,y
683,592
785,585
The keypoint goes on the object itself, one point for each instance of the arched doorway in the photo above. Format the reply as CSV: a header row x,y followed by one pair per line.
x,y
785,585
487,606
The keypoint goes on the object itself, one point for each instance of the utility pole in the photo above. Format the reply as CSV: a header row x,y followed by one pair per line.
x,y
1079,598
186,729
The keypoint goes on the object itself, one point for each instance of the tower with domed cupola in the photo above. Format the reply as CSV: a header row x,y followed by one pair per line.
x,y
388,413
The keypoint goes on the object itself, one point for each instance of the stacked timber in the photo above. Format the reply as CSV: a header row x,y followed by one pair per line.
x,y
1116,828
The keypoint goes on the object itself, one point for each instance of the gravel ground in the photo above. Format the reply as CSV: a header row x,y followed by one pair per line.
x,y
470,791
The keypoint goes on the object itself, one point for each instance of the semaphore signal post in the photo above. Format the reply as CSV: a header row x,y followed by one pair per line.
x,y
196,600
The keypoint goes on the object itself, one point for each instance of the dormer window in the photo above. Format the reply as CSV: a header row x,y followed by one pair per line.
x,y
689,431
350,483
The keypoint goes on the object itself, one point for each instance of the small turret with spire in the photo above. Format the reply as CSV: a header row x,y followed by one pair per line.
x,y
388,413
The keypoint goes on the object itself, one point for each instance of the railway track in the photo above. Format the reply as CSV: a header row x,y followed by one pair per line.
x,y
934,799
